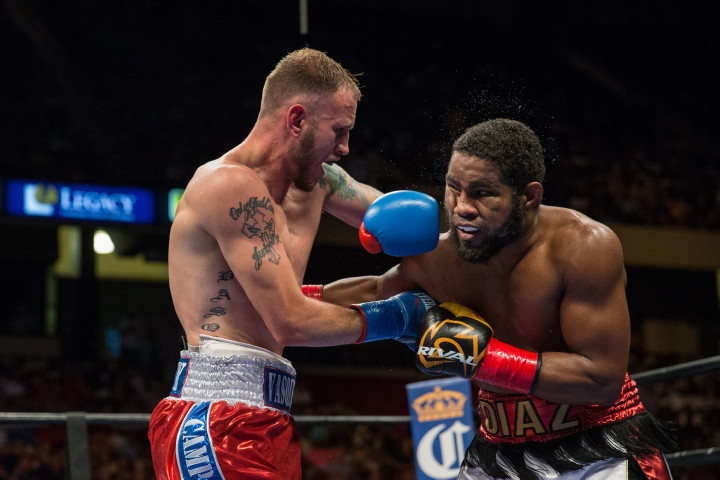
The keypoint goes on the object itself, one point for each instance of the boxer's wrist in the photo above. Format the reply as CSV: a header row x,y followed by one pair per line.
x,y
380,321
313,291
395,318
363,335
509,367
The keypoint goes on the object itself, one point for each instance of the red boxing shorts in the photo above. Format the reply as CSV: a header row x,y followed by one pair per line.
x,y
227,416
523,418
524,436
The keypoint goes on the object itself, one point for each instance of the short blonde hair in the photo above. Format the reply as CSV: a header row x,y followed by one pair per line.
x,y
306,72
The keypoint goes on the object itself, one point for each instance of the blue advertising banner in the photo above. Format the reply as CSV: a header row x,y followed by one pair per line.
x,y
80,202
442,426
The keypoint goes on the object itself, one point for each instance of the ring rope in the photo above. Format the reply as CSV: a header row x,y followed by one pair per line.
x,y
686,458
677,371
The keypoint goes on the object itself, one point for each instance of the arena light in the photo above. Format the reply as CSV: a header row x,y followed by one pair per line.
x,y
102,243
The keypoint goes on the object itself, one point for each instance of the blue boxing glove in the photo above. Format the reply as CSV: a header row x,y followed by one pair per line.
x,y
401,224
396,318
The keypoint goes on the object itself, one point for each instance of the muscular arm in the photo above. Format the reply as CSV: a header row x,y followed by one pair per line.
x,y
369,288
247,224
595,325
346,198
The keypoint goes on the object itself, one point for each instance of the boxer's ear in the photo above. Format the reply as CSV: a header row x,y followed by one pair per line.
x,y
533,194
296,116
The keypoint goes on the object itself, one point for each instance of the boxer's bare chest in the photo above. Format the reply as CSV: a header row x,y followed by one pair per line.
x,y
522,304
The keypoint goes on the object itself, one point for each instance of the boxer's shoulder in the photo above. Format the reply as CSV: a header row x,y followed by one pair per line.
x,y
215,180
580,248
566,231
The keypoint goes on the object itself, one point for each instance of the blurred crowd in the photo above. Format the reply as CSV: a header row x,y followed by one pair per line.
x,y
622,144
330,452
137,101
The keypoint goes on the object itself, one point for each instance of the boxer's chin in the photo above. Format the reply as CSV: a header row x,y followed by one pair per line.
x,y
469,253
510,231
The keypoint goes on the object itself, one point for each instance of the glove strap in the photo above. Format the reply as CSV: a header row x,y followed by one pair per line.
x,y
313,291
509,367
365,329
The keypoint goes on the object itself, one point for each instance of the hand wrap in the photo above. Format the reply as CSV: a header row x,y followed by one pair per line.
x,y
313,291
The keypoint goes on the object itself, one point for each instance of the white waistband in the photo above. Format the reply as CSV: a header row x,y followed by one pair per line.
x,y
222,347
251,375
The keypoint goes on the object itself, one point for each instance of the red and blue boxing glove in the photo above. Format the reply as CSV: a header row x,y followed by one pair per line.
x,y
401,224
454,340
396,318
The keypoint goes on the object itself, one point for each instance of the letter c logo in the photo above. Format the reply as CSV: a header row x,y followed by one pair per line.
x,y
452,450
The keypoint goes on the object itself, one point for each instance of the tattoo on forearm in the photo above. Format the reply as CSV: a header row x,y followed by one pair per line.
x,y
225,276
261,225
210,327
337,183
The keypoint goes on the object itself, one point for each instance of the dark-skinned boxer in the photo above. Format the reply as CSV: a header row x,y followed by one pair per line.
x,y
534,311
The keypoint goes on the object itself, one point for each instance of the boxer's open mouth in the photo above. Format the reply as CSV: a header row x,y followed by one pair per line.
x,y
466,232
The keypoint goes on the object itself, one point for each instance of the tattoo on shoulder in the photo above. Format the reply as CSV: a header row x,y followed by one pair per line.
x,y
251,208
258,221
337,182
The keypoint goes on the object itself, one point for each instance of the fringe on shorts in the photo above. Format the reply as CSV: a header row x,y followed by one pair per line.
x,y
641,433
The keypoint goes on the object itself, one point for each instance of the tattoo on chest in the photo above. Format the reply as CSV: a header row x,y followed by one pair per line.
x,y
257,223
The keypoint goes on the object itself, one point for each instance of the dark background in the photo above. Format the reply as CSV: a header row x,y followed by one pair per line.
x,y
144,92
622,94
141,93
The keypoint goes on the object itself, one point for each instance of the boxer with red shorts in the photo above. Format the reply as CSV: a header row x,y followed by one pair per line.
x,y
228,416
238,249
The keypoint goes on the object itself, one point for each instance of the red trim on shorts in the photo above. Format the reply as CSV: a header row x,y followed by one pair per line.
x,y
653,465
